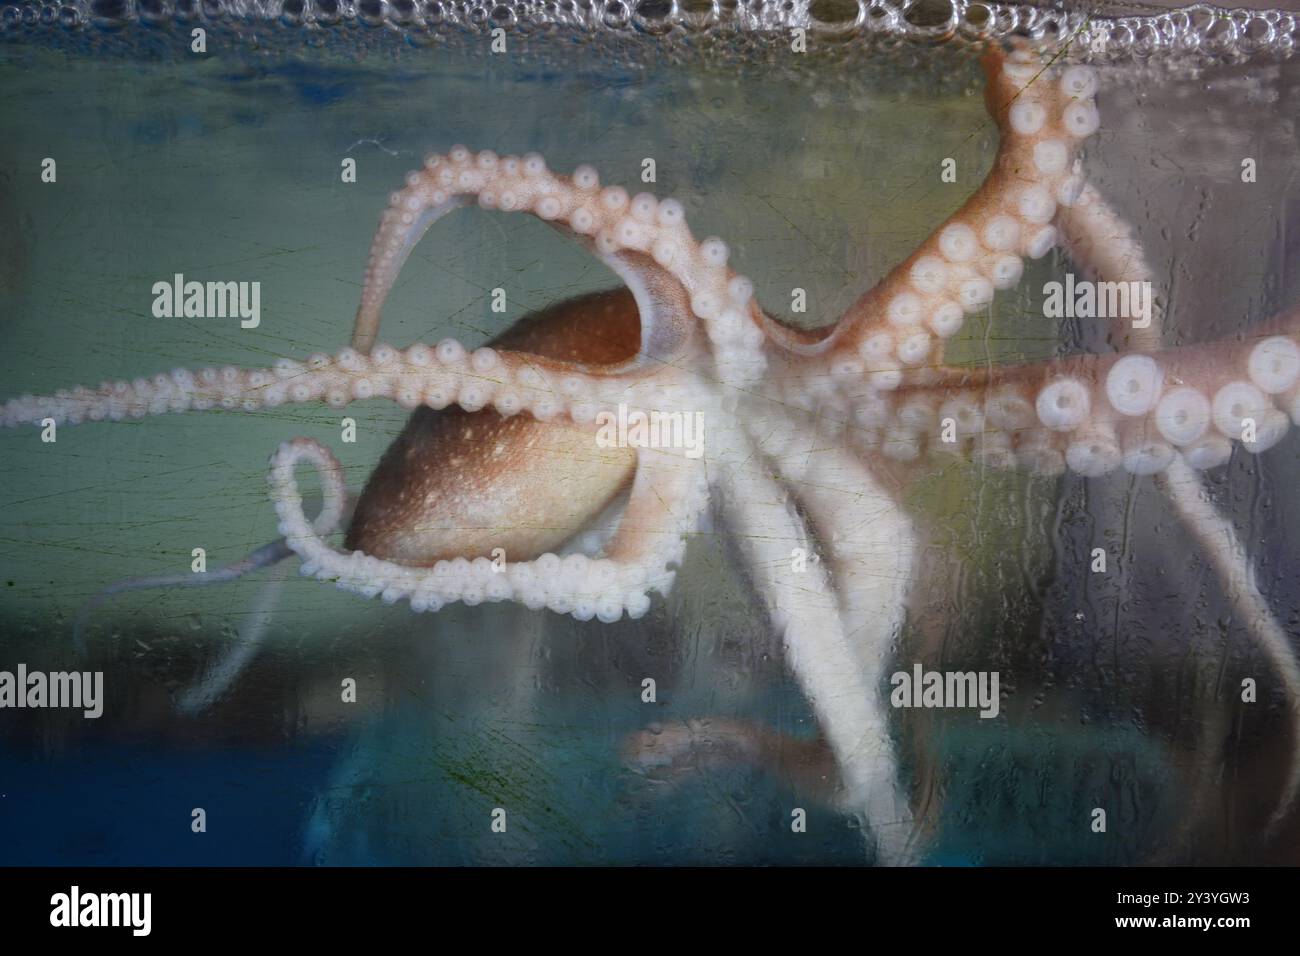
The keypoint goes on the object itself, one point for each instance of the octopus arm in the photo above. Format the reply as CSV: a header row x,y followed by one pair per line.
x,y
667,496
644,240
1043,116
1105,247
824,656
1092,414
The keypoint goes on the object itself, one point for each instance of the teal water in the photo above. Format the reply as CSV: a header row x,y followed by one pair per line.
x,y
228,167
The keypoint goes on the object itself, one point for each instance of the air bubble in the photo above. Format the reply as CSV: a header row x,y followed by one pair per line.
x,y
678,27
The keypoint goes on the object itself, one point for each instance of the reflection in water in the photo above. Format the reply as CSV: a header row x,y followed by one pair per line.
x,y
1121,689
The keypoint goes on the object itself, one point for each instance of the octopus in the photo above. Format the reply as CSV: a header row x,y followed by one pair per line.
x,y
500,463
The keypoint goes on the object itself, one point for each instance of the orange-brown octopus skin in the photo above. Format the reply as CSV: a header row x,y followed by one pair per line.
x,y
460,484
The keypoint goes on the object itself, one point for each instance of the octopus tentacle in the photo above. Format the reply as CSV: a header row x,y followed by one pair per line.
x,y
1092,413
804,611
672,752
630,234
1219,540
1043,116
264,557
268,555
509,382
1103,244
667,497
252,632
1200,418
870,551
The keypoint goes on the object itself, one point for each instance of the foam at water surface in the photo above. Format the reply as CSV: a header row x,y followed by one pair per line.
x,y
729,30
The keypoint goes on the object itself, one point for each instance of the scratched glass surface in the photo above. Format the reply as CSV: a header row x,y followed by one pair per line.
x,y
1118,690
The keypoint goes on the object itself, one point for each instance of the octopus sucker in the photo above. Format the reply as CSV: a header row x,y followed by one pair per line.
x,y
1182,415
1094,450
